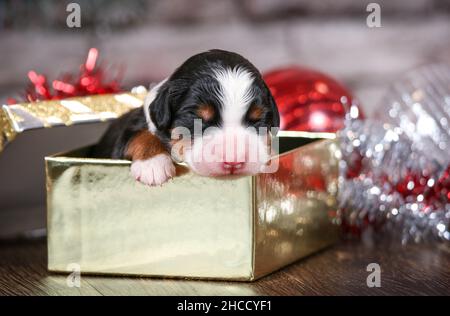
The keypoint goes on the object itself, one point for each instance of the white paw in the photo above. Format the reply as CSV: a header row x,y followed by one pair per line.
x,y
153,171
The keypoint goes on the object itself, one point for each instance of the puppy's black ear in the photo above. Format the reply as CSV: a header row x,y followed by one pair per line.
x,y
160,109
276,114
273,106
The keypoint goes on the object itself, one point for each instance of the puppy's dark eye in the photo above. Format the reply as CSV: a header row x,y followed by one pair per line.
x,y
255,112
206,112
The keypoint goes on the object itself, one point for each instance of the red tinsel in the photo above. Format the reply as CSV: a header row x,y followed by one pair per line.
x,y
90,80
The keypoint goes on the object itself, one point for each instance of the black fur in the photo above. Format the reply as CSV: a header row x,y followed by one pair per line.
x,y
114,141
177,101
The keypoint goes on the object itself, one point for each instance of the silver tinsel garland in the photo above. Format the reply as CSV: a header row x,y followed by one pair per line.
x,y
394,171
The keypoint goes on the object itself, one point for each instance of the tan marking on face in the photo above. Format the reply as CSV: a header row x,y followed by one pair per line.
x,y
255,112
179,147
206,112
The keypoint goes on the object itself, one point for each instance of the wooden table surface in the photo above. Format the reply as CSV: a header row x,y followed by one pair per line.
x,y
339,270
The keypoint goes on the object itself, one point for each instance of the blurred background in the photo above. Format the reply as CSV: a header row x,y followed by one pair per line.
x,y
152,37
149,38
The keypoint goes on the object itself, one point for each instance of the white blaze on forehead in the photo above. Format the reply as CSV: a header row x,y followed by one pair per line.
x,y
235,93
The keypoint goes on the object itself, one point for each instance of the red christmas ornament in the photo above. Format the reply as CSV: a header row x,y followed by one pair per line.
x,y
308,100
91,80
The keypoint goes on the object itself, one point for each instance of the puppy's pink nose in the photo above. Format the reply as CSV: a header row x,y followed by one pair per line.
x,y
232,165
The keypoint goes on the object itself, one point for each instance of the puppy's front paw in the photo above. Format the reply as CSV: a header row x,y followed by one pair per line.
x,y
153,171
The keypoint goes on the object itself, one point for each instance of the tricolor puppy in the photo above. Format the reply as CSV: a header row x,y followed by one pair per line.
x,y
214,113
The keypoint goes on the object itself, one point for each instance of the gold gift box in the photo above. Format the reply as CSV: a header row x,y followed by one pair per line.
x,y
101,219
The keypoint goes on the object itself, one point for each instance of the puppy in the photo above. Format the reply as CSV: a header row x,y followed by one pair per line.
x,y
214,113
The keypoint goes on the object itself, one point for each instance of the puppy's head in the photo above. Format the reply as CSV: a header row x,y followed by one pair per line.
x,y
216,113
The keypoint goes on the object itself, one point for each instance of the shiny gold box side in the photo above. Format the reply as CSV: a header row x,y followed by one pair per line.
x,y
102,220
295,207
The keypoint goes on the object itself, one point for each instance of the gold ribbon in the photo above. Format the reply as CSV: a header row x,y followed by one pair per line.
x,y
7,132
18,118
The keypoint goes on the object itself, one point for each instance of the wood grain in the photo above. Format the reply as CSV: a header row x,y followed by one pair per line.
x,y
340,270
